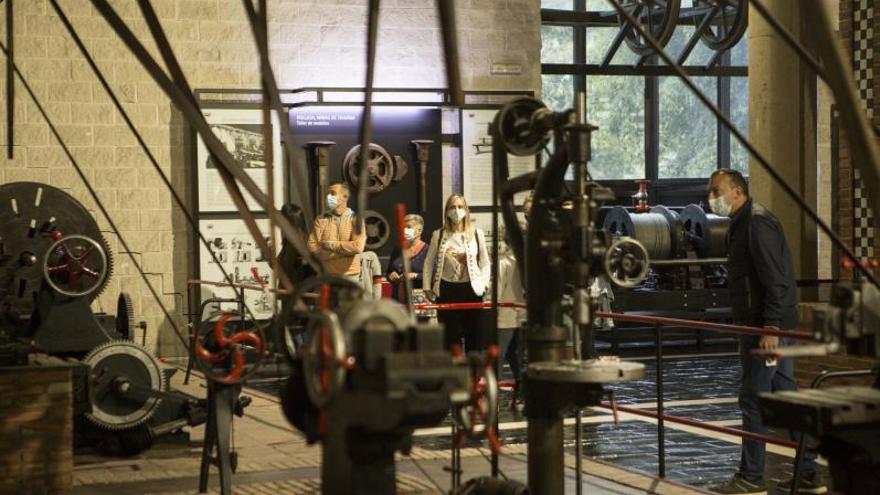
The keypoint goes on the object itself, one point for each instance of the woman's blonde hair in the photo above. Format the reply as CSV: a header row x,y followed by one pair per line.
x,y
467,223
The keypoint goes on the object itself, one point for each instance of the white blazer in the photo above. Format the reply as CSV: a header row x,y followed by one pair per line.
x,y
478,263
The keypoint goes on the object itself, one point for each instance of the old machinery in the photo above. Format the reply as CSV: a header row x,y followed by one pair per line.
x,y
423,152
658,17
626,262
707,231
377,229
561,256
53,263
318,156
382,168
366,378
124,376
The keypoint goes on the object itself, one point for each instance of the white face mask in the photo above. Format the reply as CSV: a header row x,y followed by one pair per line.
x,y
409,233
719,206
456,215
332,201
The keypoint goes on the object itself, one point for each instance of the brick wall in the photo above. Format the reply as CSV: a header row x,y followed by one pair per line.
x,y
36,431
313,43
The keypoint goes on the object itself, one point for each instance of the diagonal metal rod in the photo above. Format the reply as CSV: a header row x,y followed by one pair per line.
x,y
96,198
196,119
270,81
232,188
759,157
366,130
450,52
139,138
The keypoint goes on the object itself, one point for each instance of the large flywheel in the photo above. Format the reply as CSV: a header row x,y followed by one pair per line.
x,y
33,218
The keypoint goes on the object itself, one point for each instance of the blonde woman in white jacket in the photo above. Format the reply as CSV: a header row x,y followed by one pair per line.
x,y
457,269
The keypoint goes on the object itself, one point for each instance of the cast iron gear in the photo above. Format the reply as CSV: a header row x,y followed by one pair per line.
x,y
33,216
123,375
125,323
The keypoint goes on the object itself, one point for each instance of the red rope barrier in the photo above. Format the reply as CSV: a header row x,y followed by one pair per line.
x,y
706,426
705,325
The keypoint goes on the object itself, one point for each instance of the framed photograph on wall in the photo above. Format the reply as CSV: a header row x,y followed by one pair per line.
x,y
241,132
245,263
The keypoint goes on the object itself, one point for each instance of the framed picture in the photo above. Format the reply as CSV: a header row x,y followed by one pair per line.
x,y
239,255
241,132
476,157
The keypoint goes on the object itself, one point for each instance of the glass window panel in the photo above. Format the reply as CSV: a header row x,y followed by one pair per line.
x,y
739,115
700,55
557,4
557,44
557,91
688,136
616,104
599,5
598,41
739,55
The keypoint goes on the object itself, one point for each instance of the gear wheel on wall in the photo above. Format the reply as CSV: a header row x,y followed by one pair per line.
x,y
121,372
32,217
377,229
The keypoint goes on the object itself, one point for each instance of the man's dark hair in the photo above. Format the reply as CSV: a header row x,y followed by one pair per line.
x,y
735,177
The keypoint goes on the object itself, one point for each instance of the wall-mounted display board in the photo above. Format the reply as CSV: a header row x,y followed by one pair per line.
x,y
395,168
241,131
236,250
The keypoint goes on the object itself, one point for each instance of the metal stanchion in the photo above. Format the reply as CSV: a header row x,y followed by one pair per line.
x,y
661,432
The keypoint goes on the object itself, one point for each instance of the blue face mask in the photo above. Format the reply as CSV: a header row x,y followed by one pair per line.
x,y
332,201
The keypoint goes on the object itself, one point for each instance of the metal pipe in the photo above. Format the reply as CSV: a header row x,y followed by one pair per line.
x,y
661,431
10,78
545,455
705,325
688,262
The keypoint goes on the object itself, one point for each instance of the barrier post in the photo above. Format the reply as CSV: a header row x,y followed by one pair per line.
x,y
661,433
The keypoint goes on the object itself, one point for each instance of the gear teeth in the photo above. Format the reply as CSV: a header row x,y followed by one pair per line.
x,y
125,325
104,244
107,420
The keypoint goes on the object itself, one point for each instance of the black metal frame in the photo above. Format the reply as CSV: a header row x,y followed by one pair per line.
x,y
650,68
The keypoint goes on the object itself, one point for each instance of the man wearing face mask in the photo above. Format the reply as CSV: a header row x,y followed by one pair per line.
x,y
333,239
763,294
416,253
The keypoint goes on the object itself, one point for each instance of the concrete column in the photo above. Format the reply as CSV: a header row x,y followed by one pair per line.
x,y
782,125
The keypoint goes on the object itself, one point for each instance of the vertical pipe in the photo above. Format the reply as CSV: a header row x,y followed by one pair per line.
x,y
545,455
661,433
578,463
10,81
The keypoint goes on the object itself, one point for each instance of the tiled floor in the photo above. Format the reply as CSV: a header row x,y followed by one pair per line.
x,y
275,459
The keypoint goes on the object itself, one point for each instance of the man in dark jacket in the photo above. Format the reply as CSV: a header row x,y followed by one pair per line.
x,y
763,294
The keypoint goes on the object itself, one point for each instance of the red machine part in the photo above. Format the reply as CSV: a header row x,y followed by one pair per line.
x,y
228,347
640,199
482,405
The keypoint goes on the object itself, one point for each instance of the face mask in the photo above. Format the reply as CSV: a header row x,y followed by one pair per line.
x,y
456,215
719,206
409,233
332,202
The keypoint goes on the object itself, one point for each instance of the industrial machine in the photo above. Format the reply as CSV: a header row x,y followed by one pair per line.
x,y
54,261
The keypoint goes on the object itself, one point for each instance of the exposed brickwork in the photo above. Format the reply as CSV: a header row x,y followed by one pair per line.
x,y
313,43
36,431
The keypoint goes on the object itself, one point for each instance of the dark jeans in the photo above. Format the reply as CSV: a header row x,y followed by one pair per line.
x,y
464,324
757,378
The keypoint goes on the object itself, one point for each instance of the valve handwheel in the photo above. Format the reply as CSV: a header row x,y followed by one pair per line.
x,y
325,361
626,262
75,265
476,418
228,353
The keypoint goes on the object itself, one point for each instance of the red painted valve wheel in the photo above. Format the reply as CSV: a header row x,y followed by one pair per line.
x,y
223,359
75,265
476,418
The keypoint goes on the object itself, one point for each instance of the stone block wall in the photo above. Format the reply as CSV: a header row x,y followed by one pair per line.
x,y
313,43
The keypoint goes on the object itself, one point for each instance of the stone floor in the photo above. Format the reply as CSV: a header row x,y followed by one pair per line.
x,y
620,458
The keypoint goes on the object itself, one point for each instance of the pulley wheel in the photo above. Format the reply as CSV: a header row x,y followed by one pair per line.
x,y
514,124
324,357
707,232
381,168
377,230
676,231
657,17
730,18
626,262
